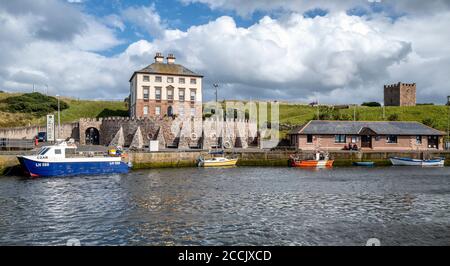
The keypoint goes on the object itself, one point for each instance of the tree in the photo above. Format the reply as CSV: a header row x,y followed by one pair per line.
x,y
371,104
393,117
34,103
429,122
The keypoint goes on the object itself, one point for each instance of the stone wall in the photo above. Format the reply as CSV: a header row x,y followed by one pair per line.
x,y
67,131
400,94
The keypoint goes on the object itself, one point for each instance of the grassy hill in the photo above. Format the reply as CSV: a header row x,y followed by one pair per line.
x,y
290,115
76,110
433,115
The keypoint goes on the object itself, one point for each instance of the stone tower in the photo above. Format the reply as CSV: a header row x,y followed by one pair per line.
x,y
400,94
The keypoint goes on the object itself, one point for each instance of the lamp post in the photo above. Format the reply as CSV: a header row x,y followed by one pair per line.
x,y
448,123
215,85
59,118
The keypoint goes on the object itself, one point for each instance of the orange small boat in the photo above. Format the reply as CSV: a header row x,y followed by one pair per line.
x,y
321,160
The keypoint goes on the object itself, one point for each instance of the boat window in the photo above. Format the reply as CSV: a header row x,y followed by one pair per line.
x,y
43,151
57,151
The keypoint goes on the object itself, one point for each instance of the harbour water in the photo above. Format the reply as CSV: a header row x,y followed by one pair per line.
x,y
234,206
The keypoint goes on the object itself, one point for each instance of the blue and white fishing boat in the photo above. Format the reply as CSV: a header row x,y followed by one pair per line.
x,y
62,160
417,162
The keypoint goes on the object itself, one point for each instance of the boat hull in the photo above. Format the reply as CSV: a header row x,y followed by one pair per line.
x,y
39,168
416,162
367,164
229,162
312,163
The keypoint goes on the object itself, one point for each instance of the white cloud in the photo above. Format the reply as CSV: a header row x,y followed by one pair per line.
x,y
244,8
146,18
288,57
341,58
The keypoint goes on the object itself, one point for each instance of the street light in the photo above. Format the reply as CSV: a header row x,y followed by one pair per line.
x,y
59,118
448,123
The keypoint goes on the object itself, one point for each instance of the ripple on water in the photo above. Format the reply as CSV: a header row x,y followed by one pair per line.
x,y
237,206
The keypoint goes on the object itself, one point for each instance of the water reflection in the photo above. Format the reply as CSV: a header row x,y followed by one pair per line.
x,y
238,206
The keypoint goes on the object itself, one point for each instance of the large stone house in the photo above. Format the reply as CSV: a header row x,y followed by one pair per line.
x,y
165,89
335,135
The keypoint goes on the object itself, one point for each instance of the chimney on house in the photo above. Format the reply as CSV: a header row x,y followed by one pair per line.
x,y
170,59
159,58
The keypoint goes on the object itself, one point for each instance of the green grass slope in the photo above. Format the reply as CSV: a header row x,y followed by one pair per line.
x,y
77,109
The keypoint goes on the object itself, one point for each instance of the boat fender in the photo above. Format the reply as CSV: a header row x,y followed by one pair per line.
x,y
227,144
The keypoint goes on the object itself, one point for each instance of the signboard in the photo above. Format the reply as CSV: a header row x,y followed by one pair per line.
x,y
50,128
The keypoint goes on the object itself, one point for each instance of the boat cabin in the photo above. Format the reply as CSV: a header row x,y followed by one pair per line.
x,y
56,151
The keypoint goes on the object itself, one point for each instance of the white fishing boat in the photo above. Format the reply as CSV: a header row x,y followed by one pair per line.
x,y
401,161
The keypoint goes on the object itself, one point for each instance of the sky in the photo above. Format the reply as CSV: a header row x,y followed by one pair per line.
x,y
337,52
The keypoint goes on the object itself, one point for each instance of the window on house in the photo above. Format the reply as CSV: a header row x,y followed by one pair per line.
x,y
181,94
181,80
145,110
193,81
145,90
418,140
391,139
181,110
354,139
193,95
339,138
192,111
158,93
146,78
170,94
157,110
158,79
309,138
169,79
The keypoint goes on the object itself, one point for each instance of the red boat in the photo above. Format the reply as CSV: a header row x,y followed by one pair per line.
x,y
321,160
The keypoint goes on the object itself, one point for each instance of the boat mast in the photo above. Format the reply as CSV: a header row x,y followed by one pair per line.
x,y
217,117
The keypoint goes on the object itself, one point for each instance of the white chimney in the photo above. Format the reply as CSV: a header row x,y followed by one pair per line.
x,y
170,59
159,58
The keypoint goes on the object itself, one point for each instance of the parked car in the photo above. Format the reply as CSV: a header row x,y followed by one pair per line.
x,y
42,136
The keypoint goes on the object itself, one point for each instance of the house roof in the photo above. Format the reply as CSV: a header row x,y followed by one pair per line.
x,y
166,69
354,128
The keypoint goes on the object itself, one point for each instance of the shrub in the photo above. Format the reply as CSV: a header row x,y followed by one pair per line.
x,y
34,103
429,122
371,104
393,117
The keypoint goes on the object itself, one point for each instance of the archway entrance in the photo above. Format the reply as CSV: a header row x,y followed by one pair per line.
x,y
92,136
169,111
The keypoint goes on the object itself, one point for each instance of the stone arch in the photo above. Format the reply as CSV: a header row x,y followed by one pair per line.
x,y
92,136
84,124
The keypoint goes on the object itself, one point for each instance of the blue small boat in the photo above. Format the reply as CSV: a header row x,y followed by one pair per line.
x,y
52,161
367,164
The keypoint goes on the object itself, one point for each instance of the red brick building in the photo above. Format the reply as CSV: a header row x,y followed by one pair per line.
x,y
335,135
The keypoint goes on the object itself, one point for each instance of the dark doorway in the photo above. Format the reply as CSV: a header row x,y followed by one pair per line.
x,y
366,141
169,111
92,136
433,142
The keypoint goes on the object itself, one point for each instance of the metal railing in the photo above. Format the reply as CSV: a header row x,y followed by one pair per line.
x,y
16,144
